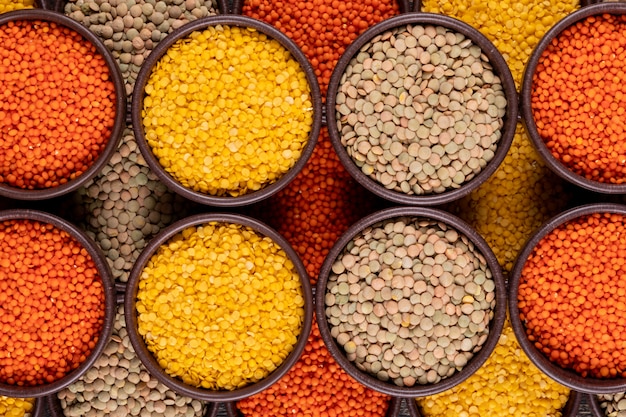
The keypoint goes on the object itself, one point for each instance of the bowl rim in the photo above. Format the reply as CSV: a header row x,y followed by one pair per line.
x,y
566,377
120,105
138,96
146,356
500,68
495,327
528,120
109,302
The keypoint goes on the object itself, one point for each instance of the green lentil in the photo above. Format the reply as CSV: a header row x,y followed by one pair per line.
x,y
227,111
220,306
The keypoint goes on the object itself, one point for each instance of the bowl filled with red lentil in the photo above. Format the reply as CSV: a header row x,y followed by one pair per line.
x,y
566,298
58,301
226,110
421,109
63,108
218,306
410,301
572,98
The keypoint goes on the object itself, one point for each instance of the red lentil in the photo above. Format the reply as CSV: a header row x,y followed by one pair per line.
x,y
579,96
56,112
51,303
315,386
571,295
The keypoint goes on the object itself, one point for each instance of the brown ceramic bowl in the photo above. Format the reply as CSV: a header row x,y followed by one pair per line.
x,y
109,303
373,181
567,377
147,357
120,105
495,323
392,411
554,163
139,95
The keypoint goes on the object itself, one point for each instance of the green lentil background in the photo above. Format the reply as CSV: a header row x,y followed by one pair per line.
x,y
126,205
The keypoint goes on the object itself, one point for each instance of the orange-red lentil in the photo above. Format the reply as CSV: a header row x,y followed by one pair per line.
x,y
578,98
51,303
315,386
571,295
57,104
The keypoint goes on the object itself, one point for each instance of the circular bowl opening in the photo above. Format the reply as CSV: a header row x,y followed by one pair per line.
x,y
384,314
421,109
563,273
60,291
249,251
579,138
64,121
250,117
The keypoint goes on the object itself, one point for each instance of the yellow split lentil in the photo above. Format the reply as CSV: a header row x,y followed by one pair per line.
x,y
227,111
16,407
220,306
508,384
10,5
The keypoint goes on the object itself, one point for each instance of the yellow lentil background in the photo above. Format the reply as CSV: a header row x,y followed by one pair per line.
x,y
10,5
227,111
16,407
220,306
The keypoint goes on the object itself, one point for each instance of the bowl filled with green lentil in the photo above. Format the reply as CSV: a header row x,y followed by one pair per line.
x,y
421,109
226,110
64,106
218,306
58,301
572,98
410,301
566,298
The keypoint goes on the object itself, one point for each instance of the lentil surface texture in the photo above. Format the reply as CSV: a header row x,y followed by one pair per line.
x,y
131,29
508,383
220,306
613,405
315,386
227,111
578,98
420,110
10,5
57,110
571,280
16,407
52,303
118,385
321,28
410,301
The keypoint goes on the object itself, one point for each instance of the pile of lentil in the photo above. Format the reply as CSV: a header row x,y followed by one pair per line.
x,y
419,109
125,206
508,383
220,306
10,5
228,111
315,386
523,193
52,303
613,405
131,29
58,108
16,407
410,301
579,110
118,385
571,280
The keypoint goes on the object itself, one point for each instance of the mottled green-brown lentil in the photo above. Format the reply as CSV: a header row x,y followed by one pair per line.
x,y
613,405
410,301
220,306
227,111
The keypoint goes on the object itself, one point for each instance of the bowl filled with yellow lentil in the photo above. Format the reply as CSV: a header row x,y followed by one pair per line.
x,y
421,109
22,407
226,110
572,98
58,301
64,106
566,298
218,306
410,301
